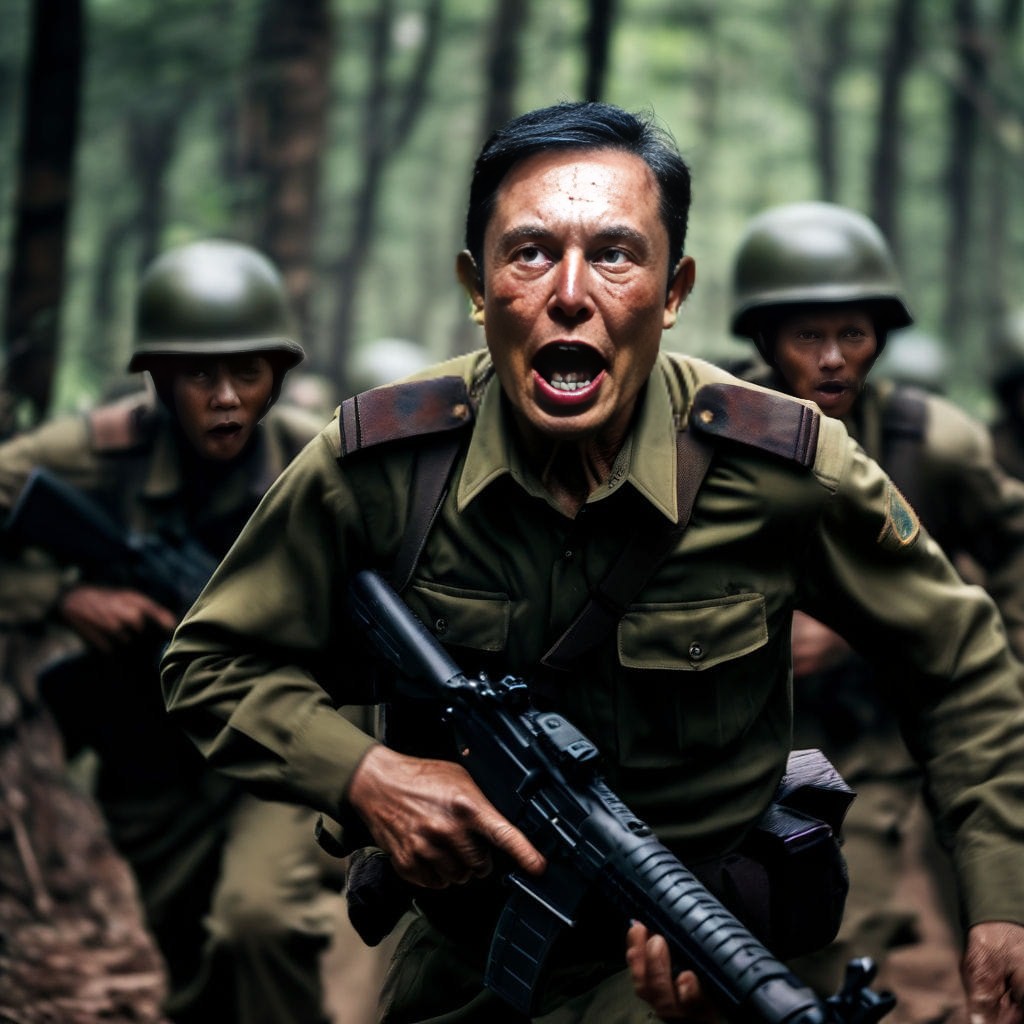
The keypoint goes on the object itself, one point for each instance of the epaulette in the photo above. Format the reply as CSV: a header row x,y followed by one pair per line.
x,y
400,411
123,425
758,418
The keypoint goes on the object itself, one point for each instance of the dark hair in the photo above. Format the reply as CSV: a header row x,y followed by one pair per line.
x,y
580,125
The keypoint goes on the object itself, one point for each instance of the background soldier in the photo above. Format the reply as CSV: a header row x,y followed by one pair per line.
x,y
817,292
914,358
232,885
1008,384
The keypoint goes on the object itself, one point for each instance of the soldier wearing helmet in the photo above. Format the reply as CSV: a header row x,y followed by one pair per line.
x,y
1008,385
817,292
231,884
915,358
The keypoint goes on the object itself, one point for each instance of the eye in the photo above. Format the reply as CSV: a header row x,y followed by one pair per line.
x,y
614,257
531,256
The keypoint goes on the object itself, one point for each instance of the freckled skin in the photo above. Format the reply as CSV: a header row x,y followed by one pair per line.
x,y
576,252
825,355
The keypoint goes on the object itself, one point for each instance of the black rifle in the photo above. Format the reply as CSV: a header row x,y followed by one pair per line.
x,y
82,688
71,526
541,773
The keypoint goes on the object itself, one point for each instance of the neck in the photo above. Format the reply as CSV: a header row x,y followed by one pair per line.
x,y
571,470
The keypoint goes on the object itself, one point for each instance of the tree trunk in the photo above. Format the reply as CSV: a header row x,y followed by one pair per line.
x,y
285,136
1001,294
382,138
598,43
151,143
504,60
42,202
885,165
960,166
820,76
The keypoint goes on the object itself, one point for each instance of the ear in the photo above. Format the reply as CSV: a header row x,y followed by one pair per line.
x,y
683,279
469,276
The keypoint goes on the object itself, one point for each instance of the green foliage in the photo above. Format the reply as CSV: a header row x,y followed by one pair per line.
x,y
732,82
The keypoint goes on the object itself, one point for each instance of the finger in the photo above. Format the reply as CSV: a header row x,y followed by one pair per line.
x,y
501,833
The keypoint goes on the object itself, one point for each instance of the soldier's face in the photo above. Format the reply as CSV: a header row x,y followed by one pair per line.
x,y
825,355
574,299
219,401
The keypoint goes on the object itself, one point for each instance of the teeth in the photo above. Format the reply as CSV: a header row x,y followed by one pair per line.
x,y
568,381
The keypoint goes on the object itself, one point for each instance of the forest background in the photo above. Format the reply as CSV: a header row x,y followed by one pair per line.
x,y
338,136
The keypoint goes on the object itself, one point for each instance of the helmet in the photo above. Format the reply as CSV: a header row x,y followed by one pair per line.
x,y
212,298
914,357
813,252
384,361
1008,352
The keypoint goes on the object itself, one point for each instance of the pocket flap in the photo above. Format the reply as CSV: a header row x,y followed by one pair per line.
x,y
465,618
693,636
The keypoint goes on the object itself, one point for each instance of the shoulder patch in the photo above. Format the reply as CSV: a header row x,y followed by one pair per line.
x,y
901,527
123,425
401,411
759,418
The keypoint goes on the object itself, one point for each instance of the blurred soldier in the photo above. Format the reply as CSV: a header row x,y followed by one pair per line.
x,y
914,358
384,361
1008,384
231,884
310,391
817,291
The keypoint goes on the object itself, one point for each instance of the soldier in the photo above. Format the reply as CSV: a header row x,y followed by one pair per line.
x,y
231,884
914,358
570,443
817,291
1008,384
383,361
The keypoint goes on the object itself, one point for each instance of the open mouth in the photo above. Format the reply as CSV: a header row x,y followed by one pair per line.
x,y
568,372
226,429
832,387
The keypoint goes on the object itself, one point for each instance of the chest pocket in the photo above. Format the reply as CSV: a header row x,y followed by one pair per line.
x,y
692,677
472,619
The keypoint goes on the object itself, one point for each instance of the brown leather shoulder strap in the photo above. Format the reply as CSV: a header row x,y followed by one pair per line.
x,y
643,552
769,422
402,411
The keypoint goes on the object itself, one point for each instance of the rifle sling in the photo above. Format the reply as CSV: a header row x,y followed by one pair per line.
x,y
640,557
643,552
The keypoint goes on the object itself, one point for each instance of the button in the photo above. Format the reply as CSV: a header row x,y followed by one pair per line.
x,y
569,554
441,627
697,651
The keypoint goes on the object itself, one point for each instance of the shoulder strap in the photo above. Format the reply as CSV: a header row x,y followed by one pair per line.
x,y
643,552
435,409
758,418
903,430
401,411
769,422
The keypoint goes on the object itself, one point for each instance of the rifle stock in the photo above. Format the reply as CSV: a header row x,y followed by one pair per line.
x,y
540,772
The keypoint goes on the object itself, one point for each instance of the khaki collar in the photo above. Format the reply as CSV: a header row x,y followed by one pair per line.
x,y
647,459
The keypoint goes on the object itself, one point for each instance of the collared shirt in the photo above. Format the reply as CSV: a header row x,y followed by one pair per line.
x,y
689,699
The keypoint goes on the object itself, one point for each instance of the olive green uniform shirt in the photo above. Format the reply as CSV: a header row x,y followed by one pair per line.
x,y
689,700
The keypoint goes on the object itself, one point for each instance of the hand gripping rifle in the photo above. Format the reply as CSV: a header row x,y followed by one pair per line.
x,y
541,773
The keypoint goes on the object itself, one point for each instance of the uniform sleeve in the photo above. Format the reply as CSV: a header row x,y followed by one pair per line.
x,y
984,507
248,670
941,652
31,583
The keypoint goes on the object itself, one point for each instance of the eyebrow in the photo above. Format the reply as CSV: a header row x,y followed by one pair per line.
x,y
611,233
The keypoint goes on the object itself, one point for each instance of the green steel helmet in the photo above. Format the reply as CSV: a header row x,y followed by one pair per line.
x,y
810,253
212,298
383,361
1008,352
916,358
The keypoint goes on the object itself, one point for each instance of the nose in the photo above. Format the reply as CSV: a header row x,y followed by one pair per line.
x,y
225,394
831,355
570,296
